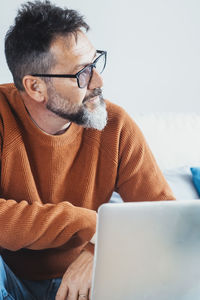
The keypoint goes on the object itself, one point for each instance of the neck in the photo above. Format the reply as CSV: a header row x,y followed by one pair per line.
x,y
46,120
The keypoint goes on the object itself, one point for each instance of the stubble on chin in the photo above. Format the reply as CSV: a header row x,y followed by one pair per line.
x,y
92,115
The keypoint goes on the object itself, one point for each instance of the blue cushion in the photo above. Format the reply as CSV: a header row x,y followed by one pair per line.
x,y
196,178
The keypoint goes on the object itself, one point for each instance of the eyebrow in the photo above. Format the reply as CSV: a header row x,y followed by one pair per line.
x,y
84,64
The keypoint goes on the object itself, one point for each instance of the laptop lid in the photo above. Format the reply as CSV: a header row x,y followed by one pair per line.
x,y
148,250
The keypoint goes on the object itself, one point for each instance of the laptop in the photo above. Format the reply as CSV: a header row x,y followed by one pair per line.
x,y
147,251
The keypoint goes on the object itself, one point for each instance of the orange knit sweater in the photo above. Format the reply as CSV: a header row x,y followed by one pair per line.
x,y
52,186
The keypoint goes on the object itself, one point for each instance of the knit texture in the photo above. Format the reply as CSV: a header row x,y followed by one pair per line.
x,y
52,186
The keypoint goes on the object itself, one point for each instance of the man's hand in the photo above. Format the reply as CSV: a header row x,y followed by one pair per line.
x,y
76,282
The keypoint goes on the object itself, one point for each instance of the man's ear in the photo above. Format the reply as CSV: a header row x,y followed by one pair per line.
x,y
35,88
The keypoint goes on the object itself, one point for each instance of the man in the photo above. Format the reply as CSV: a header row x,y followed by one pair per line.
x,y
64,150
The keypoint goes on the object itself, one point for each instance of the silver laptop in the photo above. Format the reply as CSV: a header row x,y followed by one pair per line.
x,y
148,250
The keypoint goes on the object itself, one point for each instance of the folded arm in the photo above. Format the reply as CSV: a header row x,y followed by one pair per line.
x,y
39,226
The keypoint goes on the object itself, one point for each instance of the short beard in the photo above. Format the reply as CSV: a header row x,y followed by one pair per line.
x,y
79,114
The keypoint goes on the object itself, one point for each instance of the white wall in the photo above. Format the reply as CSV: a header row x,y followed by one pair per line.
x,y
153,50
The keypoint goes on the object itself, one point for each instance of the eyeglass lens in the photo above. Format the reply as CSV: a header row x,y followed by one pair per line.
x,y
85,75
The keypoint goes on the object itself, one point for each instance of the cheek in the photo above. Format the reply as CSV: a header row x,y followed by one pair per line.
x,y
76,95
70,90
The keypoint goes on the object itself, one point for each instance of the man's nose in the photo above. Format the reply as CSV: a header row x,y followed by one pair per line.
x,y
96,80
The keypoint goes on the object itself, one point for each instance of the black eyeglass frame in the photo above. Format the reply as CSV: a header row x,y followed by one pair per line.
x,y
92,65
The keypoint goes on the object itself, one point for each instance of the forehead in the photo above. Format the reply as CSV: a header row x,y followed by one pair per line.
x,y
72,50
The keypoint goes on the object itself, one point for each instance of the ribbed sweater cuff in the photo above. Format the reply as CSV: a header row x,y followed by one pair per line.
x,y
89,247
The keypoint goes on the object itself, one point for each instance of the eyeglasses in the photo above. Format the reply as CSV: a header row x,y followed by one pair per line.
x,y
83,76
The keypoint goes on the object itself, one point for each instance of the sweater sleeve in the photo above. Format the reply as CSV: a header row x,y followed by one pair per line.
x,y
39,226
139,177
